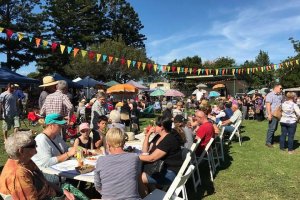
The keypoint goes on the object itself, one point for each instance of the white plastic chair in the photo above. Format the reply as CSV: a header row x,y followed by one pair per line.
x,y
196,174
177,187
6,196
220,143
236,132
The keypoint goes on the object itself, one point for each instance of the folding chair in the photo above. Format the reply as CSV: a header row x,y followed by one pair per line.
x,y
220,144
236,132
177,187
6,196
196,174
208,155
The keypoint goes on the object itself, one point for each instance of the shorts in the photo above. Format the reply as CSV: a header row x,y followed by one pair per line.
x,y
10,122
166,177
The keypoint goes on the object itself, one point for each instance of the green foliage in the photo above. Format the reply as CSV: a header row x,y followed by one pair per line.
x,y
222,62
18,15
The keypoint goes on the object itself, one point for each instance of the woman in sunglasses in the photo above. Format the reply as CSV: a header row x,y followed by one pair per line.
x,y
20,177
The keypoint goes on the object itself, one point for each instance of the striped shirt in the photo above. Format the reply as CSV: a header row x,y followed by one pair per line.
x,y
57,102
116,176
289,112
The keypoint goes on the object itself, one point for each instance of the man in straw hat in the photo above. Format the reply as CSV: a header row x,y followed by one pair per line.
x,y
49,85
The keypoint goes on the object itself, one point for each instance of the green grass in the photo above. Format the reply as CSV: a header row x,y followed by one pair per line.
x,y
250,171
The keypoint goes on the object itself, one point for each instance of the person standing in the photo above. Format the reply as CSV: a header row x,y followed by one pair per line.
x,y
99,108
8,102
288,121
49,85
273,101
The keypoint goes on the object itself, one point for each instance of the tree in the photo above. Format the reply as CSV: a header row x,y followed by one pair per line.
x,y
114,71
19,16
73,23
123,22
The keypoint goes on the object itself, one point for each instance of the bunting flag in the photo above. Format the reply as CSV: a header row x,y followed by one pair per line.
x,y
190,70
116,59
155,67
9,33
75,52
297,62
178,70
144,66
1,29
53,46
83,53
110,59
168,68
206,70
195,70
91,55
133,63
30,38
182,69
62,48
149,66
98,56
45,43
20,35
186,70
217,72
262,69
232,71
104,57
173,68
122,61
128,63
69,49
139,64
37,42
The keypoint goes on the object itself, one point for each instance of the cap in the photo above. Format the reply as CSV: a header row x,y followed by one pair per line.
x,y
178,119
84,126
54,118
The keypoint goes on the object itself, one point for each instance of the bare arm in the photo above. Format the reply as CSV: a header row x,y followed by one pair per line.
x,y
156,155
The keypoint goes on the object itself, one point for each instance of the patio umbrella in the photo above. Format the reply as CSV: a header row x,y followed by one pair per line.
x,y
197,90
220,85
201,85
214,94
157,92
174,93
122,88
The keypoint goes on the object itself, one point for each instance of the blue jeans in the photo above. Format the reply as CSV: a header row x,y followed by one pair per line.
x,y
229,129
165,177
271,130
287,130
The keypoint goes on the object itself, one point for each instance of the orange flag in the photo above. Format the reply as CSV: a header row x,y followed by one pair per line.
x,y
37,42
110,58
139,64
186,70
206,70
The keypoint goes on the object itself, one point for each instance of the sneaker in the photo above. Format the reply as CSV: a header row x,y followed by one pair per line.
x,y
269,145
291,152
282,149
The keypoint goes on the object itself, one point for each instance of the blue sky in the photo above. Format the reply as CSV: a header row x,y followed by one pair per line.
x,y
214,28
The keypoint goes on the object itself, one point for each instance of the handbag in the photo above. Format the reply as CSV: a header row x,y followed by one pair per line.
x,y
154,167
277,112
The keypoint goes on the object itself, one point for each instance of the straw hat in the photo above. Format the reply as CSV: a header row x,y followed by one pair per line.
x,y
48,81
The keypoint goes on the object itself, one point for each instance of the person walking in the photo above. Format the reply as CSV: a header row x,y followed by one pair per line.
x,y
49,86
273,101
288,121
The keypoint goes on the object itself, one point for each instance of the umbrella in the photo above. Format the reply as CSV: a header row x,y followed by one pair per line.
x,y
201,85
197,90
89,82
157,92
214,94
121,88
137,85
111,83
173,93
220,85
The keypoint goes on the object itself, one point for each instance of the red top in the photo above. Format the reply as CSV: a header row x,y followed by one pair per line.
x,y
206,131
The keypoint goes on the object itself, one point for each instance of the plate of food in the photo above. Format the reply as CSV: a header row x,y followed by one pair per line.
x,y
85,169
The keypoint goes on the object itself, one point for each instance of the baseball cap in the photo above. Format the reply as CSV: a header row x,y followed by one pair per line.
x,y
84,126
54,118
178,119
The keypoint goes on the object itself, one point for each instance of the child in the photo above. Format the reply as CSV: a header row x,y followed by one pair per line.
x,y
33,116
84,140
99,135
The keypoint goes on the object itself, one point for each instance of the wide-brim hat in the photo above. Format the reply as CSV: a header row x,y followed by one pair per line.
x,y
48,81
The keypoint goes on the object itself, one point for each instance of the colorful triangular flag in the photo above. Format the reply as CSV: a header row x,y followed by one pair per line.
x,y
45,43
69,49
20,35
139,64
155,67
91,55
128,63
37,41
83,53
75,52
144,65
62,48
104,57
98,56
133,63
110,59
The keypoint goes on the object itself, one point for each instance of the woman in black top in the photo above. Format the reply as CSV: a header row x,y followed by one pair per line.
x,y
135,115
125,113
164,146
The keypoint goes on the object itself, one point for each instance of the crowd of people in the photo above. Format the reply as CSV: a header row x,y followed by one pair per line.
x,y
100,124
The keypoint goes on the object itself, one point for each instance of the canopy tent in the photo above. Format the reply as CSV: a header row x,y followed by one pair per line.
x,y
157,92
111,83
89,82
173,93
262,91
137,85
213,94
8,76
201,85
71,84
77,79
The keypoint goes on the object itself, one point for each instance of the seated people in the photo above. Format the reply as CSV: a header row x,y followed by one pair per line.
x,y
230,124
222,115
84,140
164,146
51,148
178,109
167,113
228,111
117,175
115,120
20,177
99,135
205,132
185,133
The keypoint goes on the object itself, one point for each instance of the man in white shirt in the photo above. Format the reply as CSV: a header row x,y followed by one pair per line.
x,y
230,124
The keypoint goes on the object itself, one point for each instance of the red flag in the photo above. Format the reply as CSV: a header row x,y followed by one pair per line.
x,y
122,61
53,46
173,68
194,70
149,65
9,33
91,55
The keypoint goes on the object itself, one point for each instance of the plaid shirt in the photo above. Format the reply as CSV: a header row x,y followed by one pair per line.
x,y
57,102
24,182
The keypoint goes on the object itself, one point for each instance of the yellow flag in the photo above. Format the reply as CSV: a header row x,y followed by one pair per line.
x,y
190,70
248,70
62,48
178,70
128,63
262,69
144,65
287,64
98,56
199,70
168,68
20,35
155,67
291,63
217,72
1,29
83,53
45,43
297,62
233,70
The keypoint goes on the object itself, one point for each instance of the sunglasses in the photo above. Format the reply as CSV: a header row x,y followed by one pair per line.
x,y
31,145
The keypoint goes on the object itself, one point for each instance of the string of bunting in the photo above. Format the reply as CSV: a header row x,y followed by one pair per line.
x,y
95,56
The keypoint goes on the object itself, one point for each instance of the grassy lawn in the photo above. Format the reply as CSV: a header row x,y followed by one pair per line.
x,y
250,171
